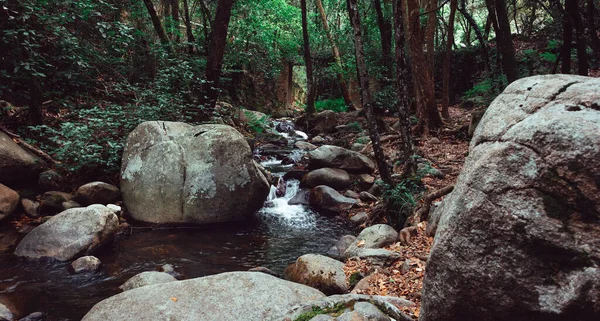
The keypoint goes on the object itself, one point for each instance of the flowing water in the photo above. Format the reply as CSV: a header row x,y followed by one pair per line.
x,y
278,234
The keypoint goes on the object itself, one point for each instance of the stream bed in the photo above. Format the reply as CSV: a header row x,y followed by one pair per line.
x,y
277,235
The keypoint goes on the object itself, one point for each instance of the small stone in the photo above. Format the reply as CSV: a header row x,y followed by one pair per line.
x,y
5,313
70,204
435,141
357,147
317,140
368,197
49,180
31,207
52,202
359,218
115,208
33,316
86,264
365,181
351,194
305,146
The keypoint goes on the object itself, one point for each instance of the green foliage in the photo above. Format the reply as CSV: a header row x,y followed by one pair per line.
x,y
354,279
355,126
337,105
485,91
335,311
363,140
256,124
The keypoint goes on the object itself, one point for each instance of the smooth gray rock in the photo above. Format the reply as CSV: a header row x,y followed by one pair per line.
x,y
74,232
373,237
97,193
326,198
352,194
177,173
337,250
338,157
518,237
365,181
367,197
5,313
318,271
30,207
359,218
70,204
332,177
147,278
381,257
251,296
305,146
16,164
317,140
9,200
357,147
302,197
86,264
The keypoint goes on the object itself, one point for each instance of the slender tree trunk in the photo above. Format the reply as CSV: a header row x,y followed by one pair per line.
x,y
310,97
175,18
363,78
448,61
402,89
188,27
565,66
385,31
484,49
572,9
338,58
158,27
497,9
35,102
214,63
593,31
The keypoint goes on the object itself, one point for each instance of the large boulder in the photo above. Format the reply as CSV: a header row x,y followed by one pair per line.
x,y
97,193
147,278
338,157
320,123
518,236
177,173
228,296
327,199
320,272
9,200
332,177
74,232
16,164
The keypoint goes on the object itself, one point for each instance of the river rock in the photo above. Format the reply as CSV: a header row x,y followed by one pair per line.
x,y
97,193
16,164
305,146
86,264
5,313
373,237
365,181
71,233
70,204
49,180
320,123
318,271
251,296
337,250
338,157
302,197
363,311
30,207
357,147
328,199
317,140
381,257
9,200
352,194
147,278
177,173
367,197
52,202
518,236
332,177
359,218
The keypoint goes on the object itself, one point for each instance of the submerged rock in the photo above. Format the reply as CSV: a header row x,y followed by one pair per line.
x,y
249,296
318,271
147,278
71,233
518,236
177,173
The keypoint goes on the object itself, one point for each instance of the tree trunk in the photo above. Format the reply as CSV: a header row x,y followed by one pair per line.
x,y
572,9
593,31
310,96
385,31
158,27
214,63
484,50
421,53
338,59
188,27
565,66
363,78
402,89
448,61
35,102
175,18
504,41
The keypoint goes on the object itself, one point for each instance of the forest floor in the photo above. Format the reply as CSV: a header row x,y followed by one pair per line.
x,y
446,151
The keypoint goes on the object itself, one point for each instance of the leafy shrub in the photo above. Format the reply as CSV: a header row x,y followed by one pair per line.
x,y
355,126
256,124
485,91
337,105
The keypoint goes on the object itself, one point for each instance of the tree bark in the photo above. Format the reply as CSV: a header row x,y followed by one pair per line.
x,y
484,50
214,63
572,9
402,90
175,18
592,30
504,41
448,61
338,58
363,78
310,97
385,32
35,102
565,66
188,27
158,27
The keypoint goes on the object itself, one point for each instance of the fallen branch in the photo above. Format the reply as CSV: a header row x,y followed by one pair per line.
x,y
36,151
421,213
